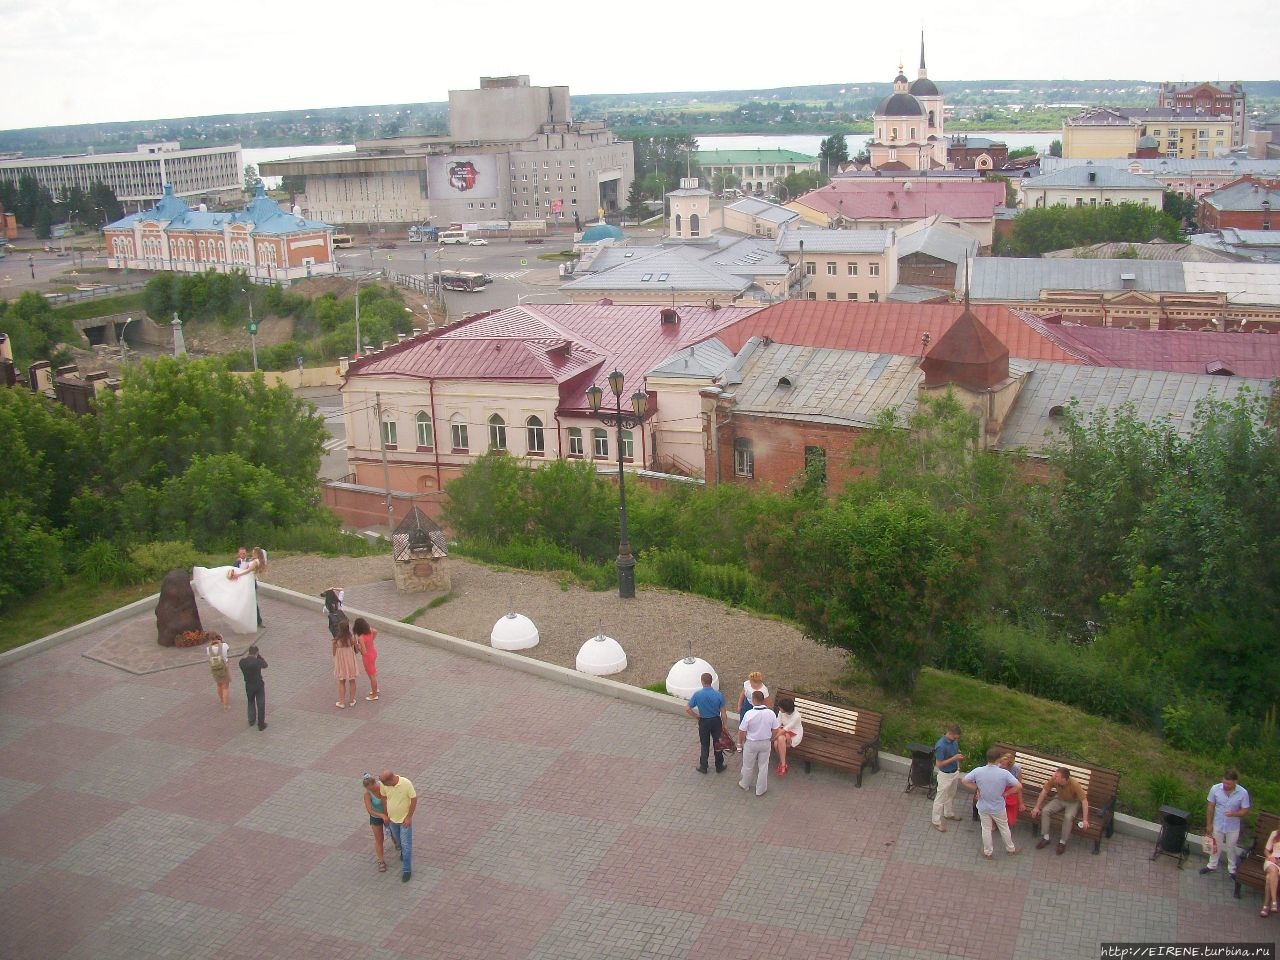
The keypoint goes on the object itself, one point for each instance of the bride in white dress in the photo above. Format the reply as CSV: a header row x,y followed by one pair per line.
x,y
232,591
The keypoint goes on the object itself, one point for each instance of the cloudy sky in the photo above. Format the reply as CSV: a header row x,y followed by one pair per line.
x,y
79,61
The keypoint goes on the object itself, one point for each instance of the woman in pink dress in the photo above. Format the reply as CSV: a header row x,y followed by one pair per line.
x,y
365,636
344,665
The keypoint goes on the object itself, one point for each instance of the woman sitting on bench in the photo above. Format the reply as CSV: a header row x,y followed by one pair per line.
x,y
789,734
1271,875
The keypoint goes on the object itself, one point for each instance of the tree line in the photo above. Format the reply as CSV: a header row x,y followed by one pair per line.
x,y
35,206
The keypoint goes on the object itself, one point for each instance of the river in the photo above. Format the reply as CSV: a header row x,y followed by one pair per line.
x,y
801,143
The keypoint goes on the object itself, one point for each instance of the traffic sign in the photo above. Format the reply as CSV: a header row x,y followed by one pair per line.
x,y
524,262
253,327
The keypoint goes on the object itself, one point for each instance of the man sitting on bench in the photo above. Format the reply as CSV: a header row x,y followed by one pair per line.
x,y
1069,800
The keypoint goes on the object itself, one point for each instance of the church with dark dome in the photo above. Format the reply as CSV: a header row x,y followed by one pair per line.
x,y
907,125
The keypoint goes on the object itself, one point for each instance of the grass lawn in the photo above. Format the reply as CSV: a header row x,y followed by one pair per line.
x,y
57,608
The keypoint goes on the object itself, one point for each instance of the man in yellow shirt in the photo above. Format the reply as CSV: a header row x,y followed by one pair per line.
x,y
402,800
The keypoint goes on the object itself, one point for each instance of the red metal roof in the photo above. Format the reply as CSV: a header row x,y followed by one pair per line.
x,y
889,200
554,343
894,328
1181,351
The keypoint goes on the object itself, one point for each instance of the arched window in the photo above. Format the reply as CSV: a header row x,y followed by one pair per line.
x,y
677,224
426,433
458,432
497,433
628,446
693,225
600,443
202,250
575,441
534,440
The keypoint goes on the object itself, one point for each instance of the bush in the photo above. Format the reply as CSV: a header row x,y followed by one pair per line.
x,y
102,562
153,560
540,555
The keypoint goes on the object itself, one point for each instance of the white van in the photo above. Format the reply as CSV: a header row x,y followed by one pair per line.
x,y
454,236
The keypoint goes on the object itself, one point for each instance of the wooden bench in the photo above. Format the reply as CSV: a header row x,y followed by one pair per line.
x,y
844,737
1099,784
1249,867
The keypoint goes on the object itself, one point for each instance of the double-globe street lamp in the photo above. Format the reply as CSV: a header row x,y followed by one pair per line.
x,y
621,421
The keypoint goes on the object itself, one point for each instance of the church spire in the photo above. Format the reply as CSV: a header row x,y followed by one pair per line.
x,y
923,74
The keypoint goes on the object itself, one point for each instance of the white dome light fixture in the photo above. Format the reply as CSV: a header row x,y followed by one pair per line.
x,y
601,656
685,677
515,631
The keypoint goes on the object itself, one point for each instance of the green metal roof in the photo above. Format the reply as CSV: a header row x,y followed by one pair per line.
x,y
721,157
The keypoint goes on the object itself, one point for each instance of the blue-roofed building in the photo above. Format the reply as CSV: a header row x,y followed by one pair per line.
x,y
268,243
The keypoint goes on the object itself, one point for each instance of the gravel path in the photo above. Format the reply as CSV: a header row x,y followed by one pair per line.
x,y
655,629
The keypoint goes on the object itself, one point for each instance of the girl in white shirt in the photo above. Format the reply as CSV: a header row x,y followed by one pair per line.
x,y
789,734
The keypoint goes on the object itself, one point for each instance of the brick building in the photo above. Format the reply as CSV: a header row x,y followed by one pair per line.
x,y
1246,204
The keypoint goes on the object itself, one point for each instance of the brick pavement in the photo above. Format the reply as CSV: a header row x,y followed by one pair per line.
x,y
139,820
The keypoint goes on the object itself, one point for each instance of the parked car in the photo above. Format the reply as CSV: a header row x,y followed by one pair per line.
x,y
479,242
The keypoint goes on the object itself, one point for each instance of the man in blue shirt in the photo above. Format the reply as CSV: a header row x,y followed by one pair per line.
x,y
946,761
992,782
707,705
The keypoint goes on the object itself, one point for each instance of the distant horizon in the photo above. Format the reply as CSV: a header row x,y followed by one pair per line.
x,y
120,61
629,93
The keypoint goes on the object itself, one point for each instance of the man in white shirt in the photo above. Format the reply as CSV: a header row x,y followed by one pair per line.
x,y
1226,805
755,738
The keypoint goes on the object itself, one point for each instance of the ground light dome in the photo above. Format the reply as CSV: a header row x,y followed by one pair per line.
x,y
601,656
685,677
515,631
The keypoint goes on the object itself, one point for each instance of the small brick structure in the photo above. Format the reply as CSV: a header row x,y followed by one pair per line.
x,y
419,551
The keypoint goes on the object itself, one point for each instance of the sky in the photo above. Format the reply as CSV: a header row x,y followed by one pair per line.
x,y
87,61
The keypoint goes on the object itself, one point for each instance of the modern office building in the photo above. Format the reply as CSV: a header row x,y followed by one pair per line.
x,y
207,174
513,153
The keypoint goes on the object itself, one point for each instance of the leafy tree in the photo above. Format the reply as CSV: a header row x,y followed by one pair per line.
x,y
37,333
801,182
251,179
42,223
572,506
1021,152
723,180
833,151
635,202
172,411
1010,194
490,500
1182,209
884,578
1039,229
226,494
1055,148
30,551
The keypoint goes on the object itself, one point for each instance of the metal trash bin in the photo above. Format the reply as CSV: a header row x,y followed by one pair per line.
x,y
1172,840
921,772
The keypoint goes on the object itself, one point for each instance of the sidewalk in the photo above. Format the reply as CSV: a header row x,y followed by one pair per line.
x,y
139,820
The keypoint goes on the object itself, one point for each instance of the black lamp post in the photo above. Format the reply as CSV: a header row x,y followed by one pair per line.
x,y
639,409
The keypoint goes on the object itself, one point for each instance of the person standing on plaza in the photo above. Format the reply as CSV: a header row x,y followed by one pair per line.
x,y
375,805
344,665
402,801
992,783
707,705
1228,803
754,682
1069,799
755,739
219,655
255,691
365,636
946,761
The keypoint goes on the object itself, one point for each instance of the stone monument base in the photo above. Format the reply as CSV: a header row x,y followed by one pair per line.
x,y
422,575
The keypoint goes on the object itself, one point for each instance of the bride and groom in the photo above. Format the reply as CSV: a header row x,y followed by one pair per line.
x,y
233,590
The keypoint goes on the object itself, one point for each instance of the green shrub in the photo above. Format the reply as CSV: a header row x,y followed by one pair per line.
x,y
323,537
102,562
153,560
673,568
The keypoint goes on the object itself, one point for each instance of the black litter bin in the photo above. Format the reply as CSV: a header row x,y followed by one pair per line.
x,y
1172,840
921,772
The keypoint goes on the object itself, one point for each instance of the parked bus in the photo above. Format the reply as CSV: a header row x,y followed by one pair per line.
x,y
461,280
454,236
342,240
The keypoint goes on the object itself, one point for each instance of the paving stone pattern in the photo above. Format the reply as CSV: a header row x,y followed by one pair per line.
x,y
137,819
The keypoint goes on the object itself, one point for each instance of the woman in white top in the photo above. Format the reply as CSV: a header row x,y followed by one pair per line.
x,y
789,734
1271,875
219,656
754,682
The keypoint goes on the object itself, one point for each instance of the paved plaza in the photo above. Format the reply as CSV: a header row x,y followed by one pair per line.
x,y
556,821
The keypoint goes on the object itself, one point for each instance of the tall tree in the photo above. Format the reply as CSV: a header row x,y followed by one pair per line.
x,y
635,202
833,151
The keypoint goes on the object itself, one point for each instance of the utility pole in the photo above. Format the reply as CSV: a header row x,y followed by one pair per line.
x,y
386,472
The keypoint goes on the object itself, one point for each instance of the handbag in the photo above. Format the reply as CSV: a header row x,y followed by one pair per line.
x,y
725,743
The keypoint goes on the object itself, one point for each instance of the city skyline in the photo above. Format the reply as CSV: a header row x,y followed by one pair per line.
x,y
76,61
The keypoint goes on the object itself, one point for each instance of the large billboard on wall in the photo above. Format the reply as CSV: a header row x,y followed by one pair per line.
x,y
473,177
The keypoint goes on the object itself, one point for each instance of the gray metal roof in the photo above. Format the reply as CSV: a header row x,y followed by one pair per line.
x,y
1023,278
1111,178
1246,197
1156,250
1233,166
1242,282
708,358
748,257
818,240
667,269
763,210
1032,423
908,293
938,240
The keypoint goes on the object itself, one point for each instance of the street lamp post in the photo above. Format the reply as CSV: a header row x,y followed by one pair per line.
x,y
626,562
253,330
